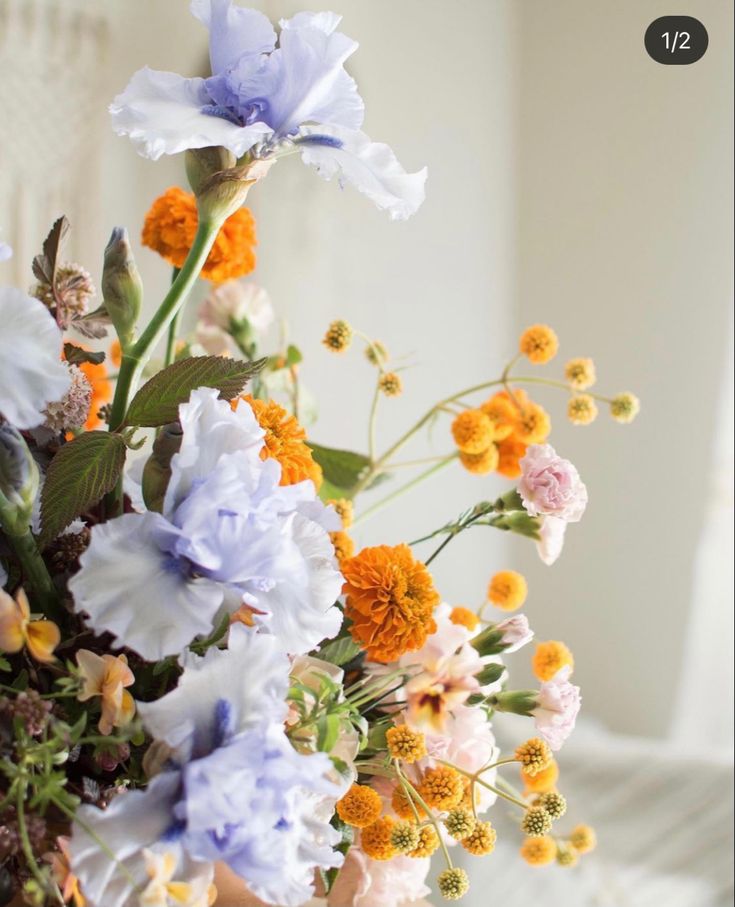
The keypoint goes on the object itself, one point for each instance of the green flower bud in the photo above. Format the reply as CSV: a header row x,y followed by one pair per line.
x,y
520,702
490,674
18,481
157,470
489,641
224,191
122,288
202,163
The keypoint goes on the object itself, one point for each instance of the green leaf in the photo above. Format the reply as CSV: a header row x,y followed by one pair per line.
x,y
327,732
341,468
4,665
157,402
76,355
82,472
293,356
339,651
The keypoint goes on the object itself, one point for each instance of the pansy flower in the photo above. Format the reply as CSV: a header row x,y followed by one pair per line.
x,y
269,94
17,629
107,676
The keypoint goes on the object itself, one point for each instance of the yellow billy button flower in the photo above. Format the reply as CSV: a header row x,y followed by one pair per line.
x,y
402,806
375,840
376,353
581,410
542,781
539,343
539,851
625,407
583,838
453,883
405,744
580,373
107,676
566,856
442,788
428,843
482,840
549,658
338,337
507,590
554,804
460,823
481,464
473,431
344,509
537,822
534,755
361,806
17,629
390,384
405,837
533,424
344,545
463,617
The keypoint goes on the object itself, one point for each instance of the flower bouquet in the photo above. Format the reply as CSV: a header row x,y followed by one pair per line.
x,y
202,678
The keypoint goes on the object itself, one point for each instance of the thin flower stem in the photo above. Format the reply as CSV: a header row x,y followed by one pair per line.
x,y
173,328
25,843
405,464
439,550
404,488
561,385
477,780
36,572
413,793
372,422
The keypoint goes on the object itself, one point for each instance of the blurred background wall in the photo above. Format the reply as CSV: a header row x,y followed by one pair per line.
x,y
572,180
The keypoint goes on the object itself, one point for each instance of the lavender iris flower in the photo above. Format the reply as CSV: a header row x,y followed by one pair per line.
x,y
269,94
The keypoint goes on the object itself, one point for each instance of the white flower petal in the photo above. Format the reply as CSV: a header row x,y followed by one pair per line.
x,y
131,588
371,167
252,675
31,371
233,31
133,821
162,112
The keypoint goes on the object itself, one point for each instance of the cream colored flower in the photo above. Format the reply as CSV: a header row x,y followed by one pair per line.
x,y
163,891
17,629
107,676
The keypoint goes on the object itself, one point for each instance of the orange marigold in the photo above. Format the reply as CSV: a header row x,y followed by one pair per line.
x,y
549,658
464,617
285,441
442,787
375,840
510,453
390,599
360,806
99,378
171,224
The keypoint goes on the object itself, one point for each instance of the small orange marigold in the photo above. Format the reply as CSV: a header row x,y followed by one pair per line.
x,y
285,441
390,599
507,590
361,806
539,343
442,787
375,840
171,224
549,658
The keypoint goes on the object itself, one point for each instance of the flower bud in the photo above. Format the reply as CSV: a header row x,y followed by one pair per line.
x,y
202,163
157,470
221,193
490,674
18,481
520,702
122,288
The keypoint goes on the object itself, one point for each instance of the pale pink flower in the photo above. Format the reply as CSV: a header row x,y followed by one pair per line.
x,y
448,664
557,708
550,485
550,545
516,632
363,882
238,302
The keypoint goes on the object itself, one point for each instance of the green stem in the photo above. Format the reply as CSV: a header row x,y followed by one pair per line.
x,y
404,488
25,842
173,328
432,818
561,385
373,420
477,780
35,571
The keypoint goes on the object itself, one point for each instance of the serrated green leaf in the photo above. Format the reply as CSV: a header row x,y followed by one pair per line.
x,y
341,468
76,355
82,472
339,651
157,402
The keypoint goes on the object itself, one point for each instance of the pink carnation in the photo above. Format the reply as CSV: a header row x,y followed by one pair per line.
x,y
550,485
516,632
363,882
550,544
557,708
